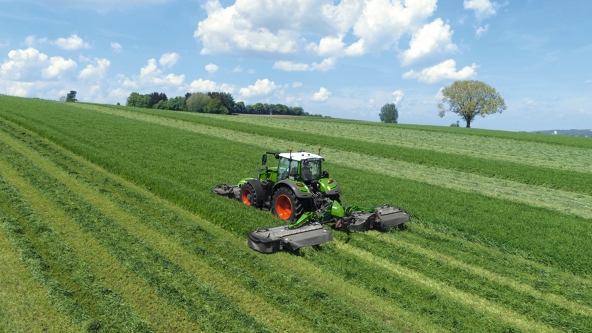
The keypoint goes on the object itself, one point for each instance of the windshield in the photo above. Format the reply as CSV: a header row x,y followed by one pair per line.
x,y
285,166
310,169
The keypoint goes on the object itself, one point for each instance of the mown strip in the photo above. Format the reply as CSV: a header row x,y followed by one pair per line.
x,y
548,309
119,280
212,310
550,177
24,305
342,316
71,287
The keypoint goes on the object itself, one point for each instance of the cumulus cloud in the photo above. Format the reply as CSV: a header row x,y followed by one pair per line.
x,y
96,70
116,47
212,68
169,59
207,85
443,71
260,26
32,41
57,65
482,30
151,75
324,66
296,84
30,61
321,96
72,43
398,95
432,37
261,87
483,8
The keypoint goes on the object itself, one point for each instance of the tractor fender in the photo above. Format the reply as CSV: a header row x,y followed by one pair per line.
x,y
293,187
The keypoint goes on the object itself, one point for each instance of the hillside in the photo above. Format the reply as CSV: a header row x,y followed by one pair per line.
x,y
107,223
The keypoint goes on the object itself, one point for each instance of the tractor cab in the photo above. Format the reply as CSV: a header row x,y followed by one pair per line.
x,y
301,166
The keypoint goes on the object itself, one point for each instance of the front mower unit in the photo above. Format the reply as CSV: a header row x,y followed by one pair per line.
x,y
298,191
269,240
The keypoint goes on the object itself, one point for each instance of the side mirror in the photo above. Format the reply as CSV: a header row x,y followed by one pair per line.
x,y
264,159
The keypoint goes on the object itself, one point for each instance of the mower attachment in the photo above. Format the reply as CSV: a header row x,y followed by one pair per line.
x,y
381,218
232,192
269,240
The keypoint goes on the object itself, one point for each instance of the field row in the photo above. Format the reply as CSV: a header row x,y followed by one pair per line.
x,y
562,201
125,206
572,181
537,154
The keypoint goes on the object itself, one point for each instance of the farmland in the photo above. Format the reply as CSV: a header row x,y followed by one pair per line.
x,y
107,223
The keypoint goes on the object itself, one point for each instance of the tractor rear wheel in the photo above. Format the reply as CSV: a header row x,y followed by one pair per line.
x,y
286,205
252,195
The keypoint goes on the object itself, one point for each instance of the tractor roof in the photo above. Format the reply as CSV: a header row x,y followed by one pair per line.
x,y
299,156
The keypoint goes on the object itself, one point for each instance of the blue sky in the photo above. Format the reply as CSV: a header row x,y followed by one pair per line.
x,y
343,58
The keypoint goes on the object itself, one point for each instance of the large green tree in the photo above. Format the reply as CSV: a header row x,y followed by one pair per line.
x,y
71,97
470,98
198,102
389,113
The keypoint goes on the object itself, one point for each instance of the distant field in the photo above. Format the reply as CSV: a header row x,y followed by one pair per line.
x,y
107,223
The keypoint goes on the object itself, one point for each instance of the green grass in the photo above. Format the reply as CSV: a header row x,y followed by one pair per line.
x,y
485,254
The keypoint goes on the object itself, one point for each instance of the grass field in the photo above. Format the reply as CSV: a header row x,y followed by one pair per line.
x,y
107,224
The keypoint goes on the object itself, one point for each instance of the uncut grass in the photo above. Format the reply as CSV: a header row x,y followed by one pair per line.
x,y
120,280
538,309
557,238
209,308
557,178
71,287
562,201
537,154
24,305
304,291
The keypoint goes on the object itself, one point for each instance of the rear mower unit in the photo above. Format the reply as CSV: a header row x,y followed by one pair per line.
x,y
299,191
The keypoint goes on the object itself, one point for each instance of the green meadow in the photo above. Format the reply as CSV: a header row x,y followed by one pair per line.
x,y
107,224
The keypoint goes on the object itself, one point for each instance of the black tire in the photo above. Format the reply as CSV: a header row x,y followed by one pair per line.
x,y
252,194
286,205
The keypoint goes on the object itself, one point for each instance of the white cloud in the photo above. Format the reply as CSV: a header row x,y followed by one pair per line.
x,y
297,84
116,47
32,41
443,71
432,37
151,75
530,102
15,88
483,8
72,43
261,26
95,71
20,60
237,69
212,68
324,66
398,94
261,87
482,30
57,65
321,96
169,59
207,85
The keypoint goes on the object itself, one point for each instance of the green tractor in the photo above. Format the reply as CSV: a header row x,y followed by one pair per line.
x,y
299,191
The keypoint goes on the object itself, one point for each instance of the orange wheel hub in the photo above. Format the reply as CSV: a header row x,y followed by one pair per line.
x,y
283,207
246,196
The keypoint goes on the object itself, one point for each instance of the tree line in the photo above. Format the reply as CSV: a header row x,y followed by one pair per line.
x,y
210,102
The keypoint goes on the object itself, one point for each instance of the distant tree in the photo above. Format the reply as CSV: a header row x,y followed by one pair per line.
x,y
176,104
63,99
198,102
71,97
225,98
457,124
470,98
239,107
215,106
389,113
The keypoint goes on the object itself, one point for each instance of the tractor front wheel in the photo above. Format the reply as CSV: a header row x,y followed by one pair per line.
x,y
251,195
286,205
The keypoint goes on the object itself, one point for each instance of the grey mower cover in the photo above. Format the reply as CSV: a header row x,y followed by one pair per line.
x,y
269,240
